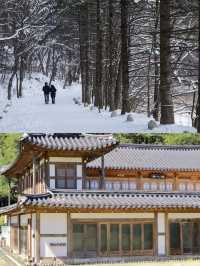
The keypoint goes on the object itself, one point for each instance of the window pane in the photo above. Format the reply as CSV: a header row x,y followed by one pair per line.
x,y
125,185
91,242
148,236
153,186
116,186
182,187
109,185
70,171
103,237
132,186
137,236
78,237
187,239
114,237
162,186
197,186
60,183
71,183
23,240
175,236
61,172
190,187
146,186
169,186
94,184
126,230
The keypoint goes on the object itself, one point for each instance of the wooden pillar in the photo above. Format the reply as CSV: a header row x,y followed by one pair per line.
x,y
47,176
29,239
167,234
140,181
84,174
69,237
37,238
19,238
102,183
34,174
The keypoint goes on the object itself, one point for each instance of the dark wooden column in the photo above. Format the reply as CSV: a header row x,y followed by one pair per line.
x,y
37,238
34,174
102,183
84,173
46,165
69,236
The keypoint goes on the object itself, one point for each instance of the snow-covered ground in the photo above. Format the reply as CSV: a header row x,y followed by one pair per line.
x,y
30,114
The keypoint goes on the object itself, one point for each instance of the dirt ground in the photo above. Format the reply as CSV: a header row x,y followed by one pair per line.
x,y
188,262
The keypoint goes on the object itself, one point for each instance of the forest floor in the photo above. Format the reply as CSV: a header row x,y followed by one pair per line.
x,y
30,114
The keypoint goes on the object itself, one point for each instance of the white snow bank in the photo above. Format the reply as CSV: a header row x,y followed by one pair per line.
x,y
30,114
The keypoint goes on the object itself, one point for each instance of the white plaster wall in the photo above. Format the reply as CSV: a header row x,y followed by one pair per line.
x,y
161,223
183,215
5,233
24,219
52,183
46,250
14,220
79,184
65,159
52,170
79,170
53,223
161,245
161,232
112,215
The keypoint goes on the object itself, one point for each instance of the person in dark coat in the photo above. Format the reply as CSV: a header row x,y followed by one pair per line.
x,y
53,93
46,90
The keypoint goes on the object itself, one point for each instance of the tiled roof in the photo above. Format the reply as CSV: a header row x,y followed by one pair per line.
x,y
8,208
151,157
113,200
105,200
71,141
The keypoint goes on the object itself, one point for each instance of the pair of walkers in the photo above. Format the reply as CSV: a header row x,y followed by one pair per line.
x,y
49,90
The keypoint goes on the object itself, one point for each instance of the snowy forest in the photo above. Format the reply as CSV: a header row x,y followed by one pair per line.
x,y
138,56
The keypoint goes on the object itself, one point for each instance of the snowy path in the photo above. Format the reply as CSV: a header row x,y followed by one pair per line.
x,y
30,114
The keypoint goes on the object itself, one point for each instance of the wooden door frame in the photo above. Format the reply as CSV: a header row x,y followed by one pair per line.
x,y
130,222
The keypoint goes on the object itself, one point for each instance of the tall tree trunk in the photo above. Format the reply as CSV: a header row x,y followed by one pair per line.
x,y
98,85
198,99
167,110
124,57
21,76
118,87
84,61
14,71
111,91
156,67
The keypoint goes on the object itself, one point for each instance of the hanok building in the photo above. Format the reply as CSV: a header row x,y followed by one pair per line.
x,y
84,196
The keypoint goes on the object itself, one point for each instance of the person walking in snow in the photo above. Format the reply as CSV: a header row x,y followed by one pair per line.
x,y
53,93
46,90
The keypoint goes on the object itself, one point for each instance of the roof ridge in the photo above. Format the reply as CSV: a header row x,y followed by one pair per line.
x,y
161,146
